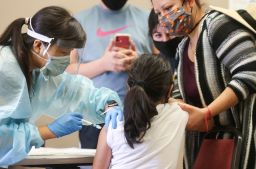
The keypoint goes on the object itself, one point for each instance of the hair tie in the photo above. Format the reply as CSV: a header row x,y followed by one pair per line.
x,y
133,83
27,20
140,83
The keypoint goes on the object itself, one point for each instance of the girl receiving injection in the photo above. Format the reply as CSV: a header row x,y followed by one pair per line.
x,y
152,132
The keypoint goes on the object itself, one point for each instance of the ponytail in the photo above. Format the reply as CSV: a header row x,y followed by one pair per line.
x,y
149,81
138,111
13,37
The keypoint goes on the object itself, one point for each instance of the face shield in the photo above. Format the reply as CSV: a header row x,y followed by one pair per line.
x,y
73,67
67,93
57,95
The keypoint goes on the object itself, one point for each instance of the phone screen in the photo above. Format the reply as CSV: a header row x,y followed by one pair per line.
x,y
122,41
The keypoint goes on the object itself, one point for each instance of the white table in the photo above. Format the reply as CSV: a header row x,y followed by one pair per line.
x,y
49,157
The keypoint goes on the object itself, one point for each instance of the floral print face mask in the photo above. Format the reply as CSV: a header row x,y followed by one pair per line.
x,y
177,22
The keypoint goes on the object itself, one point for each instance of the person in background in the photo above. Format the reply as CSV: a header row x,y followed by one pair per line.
x,y
166,44
101,60
33,83
152,131
216,72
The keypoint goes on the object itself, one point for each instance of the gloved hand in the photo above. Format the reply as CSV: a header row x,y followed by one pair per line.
x,y
112,113
66,124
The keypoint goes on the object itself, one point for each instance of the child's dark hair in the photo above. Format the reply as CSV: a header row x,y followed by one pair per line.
x,y
150,78
152,22
52,21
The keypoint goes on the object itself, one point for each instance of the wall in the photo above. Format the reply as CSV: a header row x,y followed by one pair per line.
x,y
13,9
239,3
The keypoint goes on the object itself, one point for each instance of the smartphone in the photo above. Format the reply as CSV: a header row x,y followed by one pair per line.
x,y
122,41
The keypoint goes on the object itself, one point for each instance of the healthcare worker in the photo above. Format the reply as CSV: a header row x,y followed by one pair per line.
x,y
33,83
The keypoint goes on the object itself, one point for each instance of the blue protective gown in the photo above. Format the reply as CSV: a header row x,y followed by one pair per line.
x,y
55,96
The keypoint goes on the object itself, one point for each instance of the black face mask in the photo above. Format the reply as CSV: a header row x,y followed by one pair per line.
x,y
114,4
168,48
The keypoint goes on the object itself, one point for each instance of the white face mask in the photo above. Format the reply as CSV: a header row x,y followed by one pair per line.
x,y
55,65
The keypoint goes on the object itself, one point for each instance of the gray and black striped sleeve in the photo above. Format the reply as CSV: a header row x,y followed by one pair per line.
x,y
235,48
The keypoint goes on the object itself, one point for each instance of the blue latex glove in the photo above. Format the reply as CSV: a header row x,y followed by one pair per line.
x,y
112,113
66,124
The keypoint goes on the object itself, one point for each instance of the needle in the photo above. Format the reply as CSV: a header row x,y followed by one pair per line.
x,y
88,123
106,111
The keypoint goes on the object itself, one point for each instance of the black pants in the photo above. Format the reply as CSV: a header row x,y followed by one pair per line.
x,y
88,137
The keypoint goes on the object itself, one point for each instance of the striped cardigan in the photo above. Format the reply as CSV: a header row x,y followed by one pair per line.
x,y
226,57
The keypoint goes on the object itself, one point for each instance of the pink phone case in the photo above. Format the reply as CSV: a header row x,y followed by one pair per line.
x,y
122,41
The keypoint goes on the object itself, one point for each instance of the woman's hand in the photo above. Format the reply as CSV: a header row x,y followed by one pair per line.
x,y
198,118
66,124
116,59
112,114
